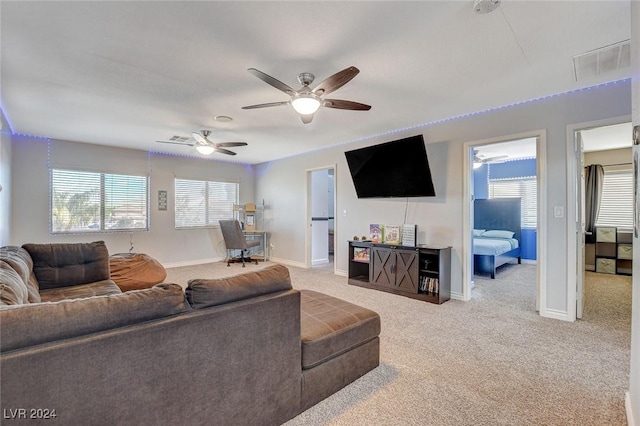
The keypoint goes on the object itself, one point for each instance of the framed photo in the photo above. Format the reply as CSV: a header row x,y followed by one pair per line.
x,y
251,219
162,199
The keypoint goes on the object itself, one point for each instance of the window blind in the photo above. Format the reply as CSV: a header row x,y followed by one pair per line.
x,y
82,201
616,205
526,190
203,203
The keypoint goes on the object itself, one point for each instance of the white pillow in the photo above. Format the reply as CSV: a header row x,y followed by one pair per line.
x,y
498,234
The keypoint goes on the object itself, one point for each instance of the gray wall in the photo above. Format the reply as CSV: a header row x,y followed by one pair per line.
x,y
5,181
30,172
440,219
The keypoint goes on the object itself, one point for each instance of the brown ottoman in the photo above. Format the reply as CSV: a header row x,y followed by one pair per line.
x,y
134,271
339,344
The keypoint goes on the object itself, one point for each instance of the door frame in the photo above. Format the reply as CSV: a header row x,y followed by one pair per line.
x,y
467,207
575,286
308,196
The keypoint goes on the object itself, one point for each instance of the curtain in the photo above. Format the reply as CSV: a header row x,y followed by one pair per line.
x,y
593,177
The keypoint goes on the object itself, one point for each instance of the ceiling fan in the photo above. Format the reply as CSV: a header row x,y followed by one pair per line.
x,y
203,144
305,100
480,159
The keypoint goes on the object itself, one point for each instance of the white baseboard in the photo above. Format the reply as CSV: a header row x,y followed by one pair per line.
x,y
457,296
319,262
342,273
288,262
192,262
627,406
555,314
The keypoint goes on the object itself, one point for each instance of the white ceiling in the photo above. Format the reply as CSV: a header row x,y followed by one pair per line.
x,y
130,73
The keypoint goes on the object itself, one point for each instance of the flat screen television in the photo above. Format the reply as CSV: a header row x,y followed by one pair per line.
x,y
398,168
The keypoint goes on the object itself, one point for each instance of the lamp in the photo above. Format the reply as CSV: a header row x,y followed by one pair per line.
x,y
306,103
205,149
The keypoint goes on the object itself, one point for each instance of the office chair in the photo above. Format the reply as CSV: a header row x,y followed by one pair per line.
x,y
234,240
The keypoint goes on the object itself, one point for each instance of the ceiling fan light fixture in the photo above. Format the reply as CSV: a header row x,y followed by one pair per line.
x,y
205,149
306,103
477,165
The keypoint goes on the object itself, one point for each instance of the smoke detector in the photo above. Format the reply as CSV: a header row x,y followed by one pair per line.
x,y
485,6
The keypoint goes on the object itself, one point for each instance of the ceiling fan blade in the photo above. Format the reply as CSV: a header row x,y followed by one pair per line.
x,y
306,118
272,81
340,104
230,144
270,104
336,81
176,143
224,151
199,138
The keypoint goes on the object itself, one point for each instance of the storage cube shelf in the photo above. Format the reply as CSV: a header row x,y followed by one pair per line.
x,y
614,251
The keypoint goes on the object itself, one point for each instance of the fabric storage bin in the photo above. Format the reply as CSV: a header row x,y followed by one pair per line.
x,y
606,235
625,251
625,237
605,249
625,267
605,266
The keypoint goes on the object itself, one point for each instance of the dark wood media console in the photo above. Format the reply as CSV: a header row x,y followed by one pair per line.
x,y
422,272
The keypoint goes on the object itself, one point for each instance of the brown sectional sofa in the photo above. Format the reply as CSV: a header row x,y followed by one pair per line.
x,y
248,349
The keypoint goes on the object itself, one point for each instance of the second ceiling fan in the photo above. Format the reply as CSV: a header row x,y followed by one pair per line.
x,y
306,101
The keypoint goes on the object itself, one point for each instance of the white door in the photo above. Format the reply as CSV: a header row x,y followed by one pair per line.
x,y
580,226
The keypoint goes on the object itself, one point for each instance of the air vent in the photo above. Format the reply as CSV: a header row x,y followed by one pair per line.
x,y
179,139
601,61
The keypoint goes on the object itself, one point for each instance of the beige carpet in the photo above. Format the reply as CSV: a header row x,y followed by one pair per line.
x,y
490,361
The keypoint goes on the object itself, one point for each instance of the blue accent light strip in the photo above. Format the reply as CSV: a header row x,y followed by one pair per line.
x,y
471,114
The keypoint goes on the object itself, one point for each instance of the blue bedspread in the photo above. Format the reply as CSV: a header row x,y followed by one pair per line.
x,y
493,246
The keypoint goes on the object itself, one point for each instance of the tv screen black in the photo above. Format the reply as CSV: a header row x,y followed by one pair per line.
x,y
394,169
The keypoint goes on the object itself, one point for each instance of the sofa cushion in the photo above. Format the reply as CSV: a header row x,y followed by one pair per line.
x,y
100,288
66,264
331,327
19,259
202,293
13,290
37,323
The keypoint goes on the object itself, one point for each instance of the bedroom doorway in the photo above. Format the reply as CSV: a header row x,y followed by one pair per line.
x,y
600,265
499,171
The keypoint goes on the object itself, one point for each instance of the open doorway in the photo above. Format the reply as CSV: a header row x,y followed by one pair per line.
x,y
321,218
505,221
604,225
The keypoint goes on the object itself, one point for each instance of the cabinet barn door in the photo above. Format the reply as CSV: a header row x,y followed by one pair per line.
x,y
383,267
407,271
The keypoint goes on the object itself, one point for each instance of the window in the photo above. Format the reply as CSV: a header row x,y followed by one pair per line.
x,y
93,202
202,203
616,205
525,189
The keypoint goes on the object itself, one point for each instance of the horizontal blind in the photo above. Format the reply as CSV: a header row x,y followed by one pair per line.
x,y
526,190
91,202
125,201
203,203
616,204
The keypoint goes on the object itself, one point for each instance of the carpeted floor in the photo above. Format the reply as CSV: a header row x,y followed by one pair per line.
x,y
490,361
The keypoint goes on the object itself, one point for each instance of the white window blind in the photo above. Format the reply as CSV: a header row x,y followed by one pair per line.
x,y
526,190
616,205
203,203
93,202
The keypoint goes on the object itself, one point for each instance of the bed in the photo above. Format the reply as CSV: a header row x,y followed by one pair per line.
x,y
496,234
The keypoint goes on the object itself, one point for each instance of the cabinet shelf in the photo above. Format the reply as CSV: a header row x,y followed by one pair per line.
x,y
420,272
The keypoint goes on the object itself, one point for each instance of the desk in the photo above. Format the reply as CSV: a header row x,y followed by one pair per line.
x,y
263,236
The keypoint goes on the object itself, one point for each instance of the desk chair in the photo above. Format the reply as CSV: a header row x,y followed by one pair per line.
x,y
234,240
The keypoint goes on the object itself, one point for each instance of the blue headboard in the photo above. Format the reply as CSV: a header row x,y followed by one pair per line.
x,y
498,213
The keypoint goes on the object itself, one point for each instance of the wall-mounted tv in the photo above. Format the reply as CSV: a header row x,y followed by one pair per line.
x,y
398,168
